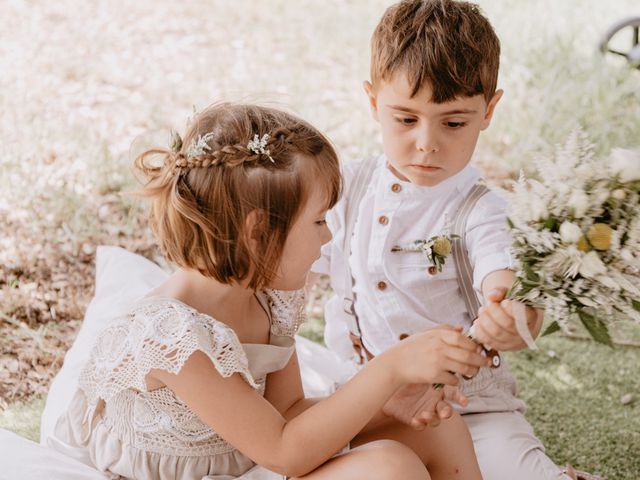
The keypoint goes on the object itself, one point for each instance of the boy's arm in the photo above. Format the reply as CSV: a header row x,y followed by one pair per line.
x,y
495,326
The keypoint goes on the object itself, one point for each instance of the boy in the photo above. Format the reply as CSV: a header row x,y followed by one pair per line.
x,y
434,72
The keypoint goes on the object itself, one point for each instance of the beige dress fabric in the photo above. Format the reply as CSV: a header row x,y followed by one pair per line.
x,y
119,427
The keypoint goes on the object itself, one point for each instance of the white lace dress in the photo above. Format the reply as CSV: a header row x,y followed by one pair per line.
x,y
116,425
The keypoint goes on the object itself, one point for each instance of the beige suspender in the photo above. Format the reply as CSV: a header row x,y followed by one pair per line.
x,y
460,253
360,184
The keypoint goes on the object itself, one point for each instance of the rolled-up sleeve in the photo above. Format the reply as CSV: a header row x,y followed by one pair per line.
x,y
488,239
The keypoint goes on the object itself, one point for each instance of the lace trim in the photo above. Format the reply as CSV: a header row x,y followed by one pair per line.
x,y
159,334
288,310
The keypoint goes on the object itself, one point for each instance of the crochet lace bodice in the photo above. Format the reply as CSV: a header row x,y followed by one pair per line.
x,y
162,333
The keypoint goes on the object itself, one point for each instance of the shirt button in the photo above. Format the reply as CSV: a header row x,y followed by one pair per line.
x,y
382,220
402,336
396,187
381,285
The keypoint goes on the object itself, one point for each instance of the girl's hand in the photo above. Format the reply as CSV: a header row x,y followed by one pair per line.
x,y
435,356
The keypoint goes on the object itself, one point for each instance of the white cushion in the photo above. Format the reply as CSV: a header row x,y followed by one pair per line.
x,y
26,460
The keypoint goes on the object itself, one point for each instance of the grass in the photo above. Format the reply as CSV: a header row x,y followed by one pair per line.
x,y
24,418
574,390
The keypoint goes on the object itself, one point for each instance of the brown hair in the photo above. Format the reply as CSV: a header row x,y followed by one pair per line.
x,y
447,44
201,197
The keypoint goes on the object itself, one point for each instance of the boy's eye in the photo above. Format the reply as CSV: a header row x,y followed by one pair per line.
x,y
406,120
455,124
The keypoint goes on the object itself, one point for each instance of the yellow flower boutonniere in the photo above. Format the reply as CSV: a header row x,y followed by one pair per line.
x,y
436,249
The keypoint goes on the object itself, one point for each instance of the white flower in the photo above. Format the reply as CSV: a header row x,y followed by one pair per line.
x,y
579,202
626,255
608,282
537,210
592,266
619,194
625,163
570,232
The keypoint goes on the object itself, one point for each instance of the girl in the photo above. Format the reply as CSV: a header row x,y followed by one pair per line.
x,y
200,379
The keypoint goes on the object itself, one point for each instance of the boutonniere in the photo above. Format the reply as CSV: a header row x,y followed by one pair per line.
x,y
436,249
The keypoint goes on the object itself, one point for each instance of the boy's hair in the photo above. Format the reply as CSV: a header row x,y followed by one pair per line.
x,y
204,189
446,44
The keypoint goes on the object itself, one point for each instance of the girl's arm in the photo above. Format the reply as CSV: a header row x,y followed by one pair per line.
x,y
253,425
284,391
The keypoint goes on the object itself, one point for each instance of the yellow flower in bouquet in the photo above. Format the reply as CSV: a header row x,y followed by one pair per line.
x,y
599,236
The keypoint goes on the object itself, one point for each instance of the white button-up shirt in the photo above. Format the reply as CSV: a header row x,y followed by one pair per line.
x,y
394,293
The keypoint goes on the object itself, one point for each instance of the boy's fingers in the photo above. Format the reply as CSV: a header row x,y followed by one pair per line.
x,y
497,294
429,419
455,395
444,410
500,317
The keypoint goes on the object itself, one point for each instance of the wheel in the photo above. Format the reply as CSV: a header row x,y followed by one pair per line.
x,y
633,54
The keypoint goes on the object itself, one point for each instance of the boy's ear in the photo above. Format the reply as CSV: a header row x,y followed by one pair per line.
x,y
491,107
373,101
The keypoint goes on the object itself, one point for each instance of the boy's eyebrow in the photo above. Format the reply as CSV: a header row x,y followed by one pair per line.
x,y
456,111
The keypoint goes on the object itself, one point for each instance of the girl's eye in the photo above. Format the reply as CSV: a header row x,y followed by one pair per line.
x,y
455,124
406,120
321,222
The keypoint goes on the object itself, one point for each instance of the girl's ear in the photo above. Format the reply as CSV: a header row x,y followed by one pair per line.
x,y
373,101
254,225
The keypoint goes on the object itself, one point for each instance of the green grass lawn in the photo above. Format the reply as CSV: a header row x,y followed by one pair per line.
x,y
573,389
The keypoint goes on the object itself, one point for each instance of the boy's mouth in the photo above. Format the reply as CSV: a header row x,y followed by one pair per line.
x,y
426,168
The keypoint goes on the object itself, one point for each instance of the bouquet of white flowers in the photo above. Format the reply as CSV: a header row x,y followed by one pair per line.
x,y
576,238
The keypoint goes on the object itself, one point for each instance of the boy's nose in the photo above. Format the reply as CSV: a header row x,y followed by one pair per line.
x,y
426,142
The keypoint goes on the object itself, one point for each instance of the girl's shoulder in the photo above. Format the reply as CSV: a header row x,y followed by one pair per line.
x,y
158,333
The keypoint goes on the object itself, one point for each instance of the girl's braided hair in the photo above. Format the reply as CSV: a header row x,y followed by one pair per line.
x,y
204,188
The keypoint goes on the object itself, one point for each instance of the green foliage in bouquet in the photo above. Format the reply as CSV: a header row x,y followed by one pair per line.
x,y
576,238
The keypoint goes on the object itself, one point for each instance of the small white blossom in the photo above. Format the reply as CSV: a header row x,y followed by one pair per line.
x,y
579,203
570,232
592,266
619,194
199,146
626,164
258,145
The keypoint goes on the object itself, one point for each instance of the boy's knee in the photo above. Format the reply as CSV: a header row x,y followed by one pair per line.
x,y
392,460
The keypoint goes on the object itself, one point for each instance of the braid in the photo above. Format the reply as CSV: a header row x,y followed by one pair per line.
x,y
229,155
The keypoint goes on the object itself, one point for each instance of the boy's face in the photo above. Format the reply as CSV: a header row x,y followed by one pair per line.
x,y
425,142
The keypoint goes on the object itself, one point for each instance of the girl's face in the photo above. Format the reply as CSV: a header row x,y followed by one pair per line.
x,y
302,247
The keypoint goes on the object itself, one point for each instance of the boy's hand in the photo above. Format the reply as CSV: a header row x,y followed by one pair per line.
x,y
419,405
495,326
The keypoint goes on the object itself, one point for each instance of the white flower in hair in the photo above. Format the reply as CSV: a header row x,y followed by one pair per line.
x,y
258,145
199,146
